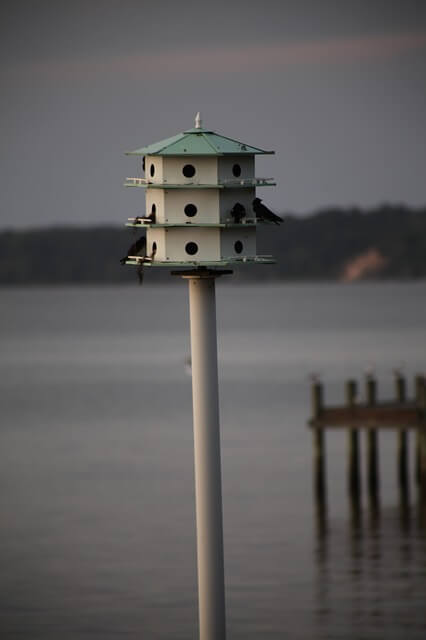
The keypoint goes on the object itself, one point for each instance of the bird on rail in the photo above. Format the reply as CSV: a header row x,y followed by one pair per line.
x,y
238,212
264,214
135,249
139,220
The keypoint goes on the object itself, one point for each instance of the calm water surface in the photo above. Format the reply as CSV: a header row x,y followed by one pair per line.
x,y
97,535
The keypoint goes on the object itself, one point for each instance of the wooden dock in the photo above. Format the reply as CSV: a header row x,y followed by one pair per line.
x,y
402,414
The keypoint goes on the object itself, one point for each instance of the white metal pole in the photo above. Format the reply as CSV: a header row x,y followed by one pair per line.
x,y
208,490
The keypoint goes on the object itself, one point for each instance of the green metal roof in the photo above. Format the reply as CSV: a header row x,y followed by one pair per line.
x,y
198,142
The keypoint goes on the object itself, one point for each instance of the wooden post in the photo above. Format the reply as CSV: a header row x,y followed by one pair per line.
x,y
422,443
421,432
402,445
372,448
419,387
318,443
353,446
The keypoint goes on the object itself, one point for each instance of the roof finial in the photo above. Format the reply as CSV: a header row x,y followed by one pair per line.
x,y
198,121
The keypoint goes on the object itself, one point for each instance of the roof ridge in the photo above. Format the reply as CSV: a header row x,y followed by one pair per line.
x,y
171,140
165,143
209,143
242,144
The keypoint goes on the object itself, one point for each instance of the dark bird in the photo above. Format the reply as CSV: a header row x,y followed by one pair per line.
x,y
135,249
265,214
238,212
140,270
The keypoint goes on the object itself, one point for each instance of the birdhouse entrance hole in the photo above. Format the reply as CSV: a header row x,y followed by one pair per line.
x,y
188,171
152,170
238,246
191,248
236,170
190,210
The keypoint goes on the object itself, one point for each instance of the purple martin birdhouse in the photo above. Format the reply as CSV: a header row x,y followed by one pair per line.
x,y
200,200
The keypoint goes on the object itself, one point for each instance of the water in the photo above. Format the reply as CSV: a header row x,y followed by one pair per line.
x,y
97,535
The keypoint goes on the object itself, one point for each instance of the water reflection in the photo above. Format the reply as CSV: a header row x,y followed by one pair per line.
x,y
404,507
370,567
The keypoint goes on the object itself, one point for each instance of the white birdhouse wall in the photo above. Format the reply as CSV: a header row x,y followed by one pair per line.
x,y
154,169
154,202
190,170
237,243
198,169
229,197
156,240
183,244
235,167
197,206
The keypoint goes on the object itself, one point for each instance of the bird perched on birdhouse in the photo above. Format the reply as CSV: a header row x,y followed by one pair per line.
x,y
200,188
265,214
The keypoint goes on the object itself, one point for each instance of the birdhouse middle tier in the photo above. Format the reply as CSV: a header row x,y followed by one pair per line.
x,y
198,206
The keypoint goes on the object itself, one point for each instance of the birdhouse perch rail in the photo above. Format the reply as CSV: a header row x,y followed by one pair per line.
x,y
209,225
149,262
221,184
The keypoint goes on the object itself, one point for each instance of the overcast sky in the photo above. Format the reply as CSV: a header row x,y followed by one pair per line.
x,y
337,88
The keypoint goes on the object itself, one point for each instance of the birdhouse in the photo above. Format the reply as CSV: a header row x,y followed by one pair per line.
x,y
199,193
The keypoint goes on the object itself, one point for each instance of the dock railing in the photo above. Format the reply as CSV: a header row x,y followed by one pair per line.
x,y
401,414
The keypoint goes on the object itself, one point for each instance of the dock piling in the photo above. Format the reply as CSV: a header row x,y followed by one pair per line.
x,y
420,403
372,445
354,483
402,437
318,442
421,435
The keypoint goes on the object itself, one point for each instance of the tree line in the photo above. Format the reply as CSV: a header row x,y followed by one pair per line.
x,y
314,247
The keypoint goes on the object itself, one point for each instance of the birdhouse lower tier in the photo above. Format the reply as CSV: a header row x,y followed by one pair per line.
x,y
200,245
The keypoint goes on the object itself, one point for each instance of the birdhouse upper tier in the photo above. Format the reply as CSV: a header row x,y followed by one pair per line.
x,y
200,188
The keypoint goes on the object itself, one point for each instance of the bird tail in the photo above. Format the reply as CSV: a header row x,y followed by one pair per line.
x,y
140,273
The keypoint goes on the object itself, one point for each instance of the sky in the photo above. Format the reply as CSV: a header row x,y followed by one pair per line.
x,y
336,88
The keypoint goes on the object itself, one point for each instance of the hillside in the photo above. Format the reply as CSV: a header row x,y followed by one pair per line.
x,y
335,244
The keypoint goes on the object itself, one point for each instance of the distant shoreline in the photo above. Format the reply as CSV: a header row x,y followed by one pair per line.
x,y
350,245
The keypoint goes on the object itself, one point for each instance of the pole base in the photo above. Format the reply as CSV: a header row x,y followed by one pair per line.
x,y
202,272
